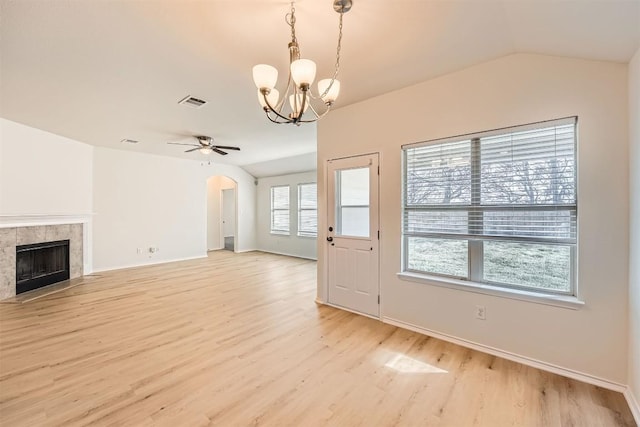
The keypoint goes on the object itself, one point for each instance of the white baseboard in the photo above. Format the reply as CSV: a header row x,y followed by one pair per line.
x,y
122,267
241,251
633,404
286,254
580,376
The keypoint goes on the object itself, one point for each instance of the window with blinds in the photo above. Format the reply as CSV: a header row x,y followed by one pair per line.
x,y
280,209
307,210
497,207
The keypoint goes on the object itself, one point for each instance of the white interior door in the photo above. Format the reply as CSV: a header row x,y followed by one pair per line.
x,y
352,234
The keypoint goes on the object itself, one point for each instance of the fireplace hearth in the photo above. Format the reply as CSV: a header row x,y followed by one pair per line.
x,y
41,264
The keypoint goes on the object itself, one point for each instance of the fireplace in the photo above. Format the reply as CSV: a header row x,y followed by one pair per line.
x,y
41,264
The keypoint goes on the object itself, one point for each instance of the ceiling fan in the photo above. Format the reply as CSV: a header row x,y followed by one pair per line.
x,y
205,146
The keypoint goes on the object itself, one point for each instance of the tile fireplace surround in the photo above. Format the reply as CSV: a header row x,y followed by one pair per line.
x,y
10,237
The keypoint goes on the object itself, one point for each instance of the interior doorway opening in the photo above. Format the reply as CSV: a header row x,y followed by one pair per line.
x,y
221,213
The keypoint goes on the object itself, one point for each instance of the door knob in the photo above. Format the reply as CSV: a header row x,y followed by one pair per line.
x,y
329,239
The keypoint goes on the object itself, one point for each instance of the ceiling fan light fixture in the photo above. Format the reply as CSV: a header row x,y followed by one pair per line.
x,y
206,146
302,73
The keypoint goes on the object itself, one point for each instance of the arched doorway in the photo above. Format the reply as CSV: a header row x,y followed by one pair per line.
x,y
222,214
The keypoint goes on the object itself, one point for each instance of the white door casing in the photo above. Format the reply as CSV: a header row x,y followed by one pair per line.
x,y
352,234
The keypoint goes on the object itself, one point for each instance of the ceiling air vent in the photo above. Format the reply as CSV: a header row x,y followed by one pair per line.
x,y
192,102
129,141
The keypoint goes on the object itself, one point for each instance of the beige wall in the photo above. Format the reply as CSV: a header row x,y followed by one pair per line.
x,y
634,255
512,90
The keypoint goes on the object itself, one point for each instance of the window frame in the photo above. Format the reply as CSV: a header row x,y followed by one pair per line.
x,y
300,209
475,247
273,230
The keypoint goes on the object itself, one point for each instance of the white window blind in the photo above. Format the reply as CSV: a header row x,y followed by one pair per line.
x,y
491,194
307,209
280,209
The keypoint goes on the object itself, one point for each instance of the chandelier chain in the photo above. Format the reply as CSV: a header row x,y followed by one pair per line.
x,y
337,64
290,19
335,73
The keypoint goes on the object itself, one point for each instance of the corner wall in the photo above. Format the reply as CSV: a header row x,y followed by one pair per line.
x,y
634,235
512,90
300,246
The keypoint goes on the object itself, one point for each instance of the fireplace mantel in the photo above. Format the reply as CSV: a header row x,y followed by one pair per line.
x,y
30,220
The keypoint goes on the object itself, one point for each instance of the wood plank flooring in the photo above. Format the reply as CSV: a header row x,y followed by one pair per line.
x,y
236,339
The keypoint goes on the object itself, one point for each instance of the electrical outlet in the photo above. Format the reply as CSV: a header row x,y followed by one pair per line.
x,y
481,312
139,251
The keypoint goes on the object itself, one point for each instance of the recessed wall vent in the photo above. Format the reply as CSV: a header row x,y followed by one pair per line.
x,y
129,141
192,101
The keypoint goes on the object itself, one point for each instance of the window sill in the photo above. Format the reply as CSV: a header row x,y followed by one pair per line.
x,y
563,301
280,233
308,236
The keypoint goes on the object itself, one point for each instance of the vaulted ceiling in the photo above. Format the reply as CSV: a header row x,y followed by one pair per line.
x,y
102,71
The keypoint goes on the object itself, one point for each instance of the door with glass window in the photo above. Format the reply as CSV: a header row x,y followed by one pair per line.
x,y
352,234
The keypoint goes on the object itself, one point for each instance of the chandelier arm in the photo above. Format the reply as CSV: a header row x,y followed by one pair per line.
x,y
272,119
315,113
282,101
318,117
280,104
303,104
272,109
312,96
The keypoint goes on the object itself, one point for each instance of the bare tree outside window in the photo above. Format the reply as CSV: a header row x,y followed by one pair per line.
x,y
512,192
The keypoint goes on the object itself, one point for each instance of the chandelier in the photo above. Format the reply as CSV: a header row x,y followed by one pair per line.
x,y
302,73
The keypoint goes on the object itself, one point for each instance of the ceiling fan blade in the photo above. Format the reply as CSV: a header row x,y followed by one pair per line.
x,y
219,151
181,143
225,147
193,149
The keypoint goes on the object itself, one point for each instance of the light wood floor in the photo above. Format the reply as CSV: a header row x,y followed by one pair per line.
x,y
236,339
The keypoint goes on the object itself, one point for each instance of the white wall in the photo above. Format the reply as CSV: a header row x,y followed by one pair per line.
x,y
42,173
512,90
143,201
215,186
634,255
292,244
